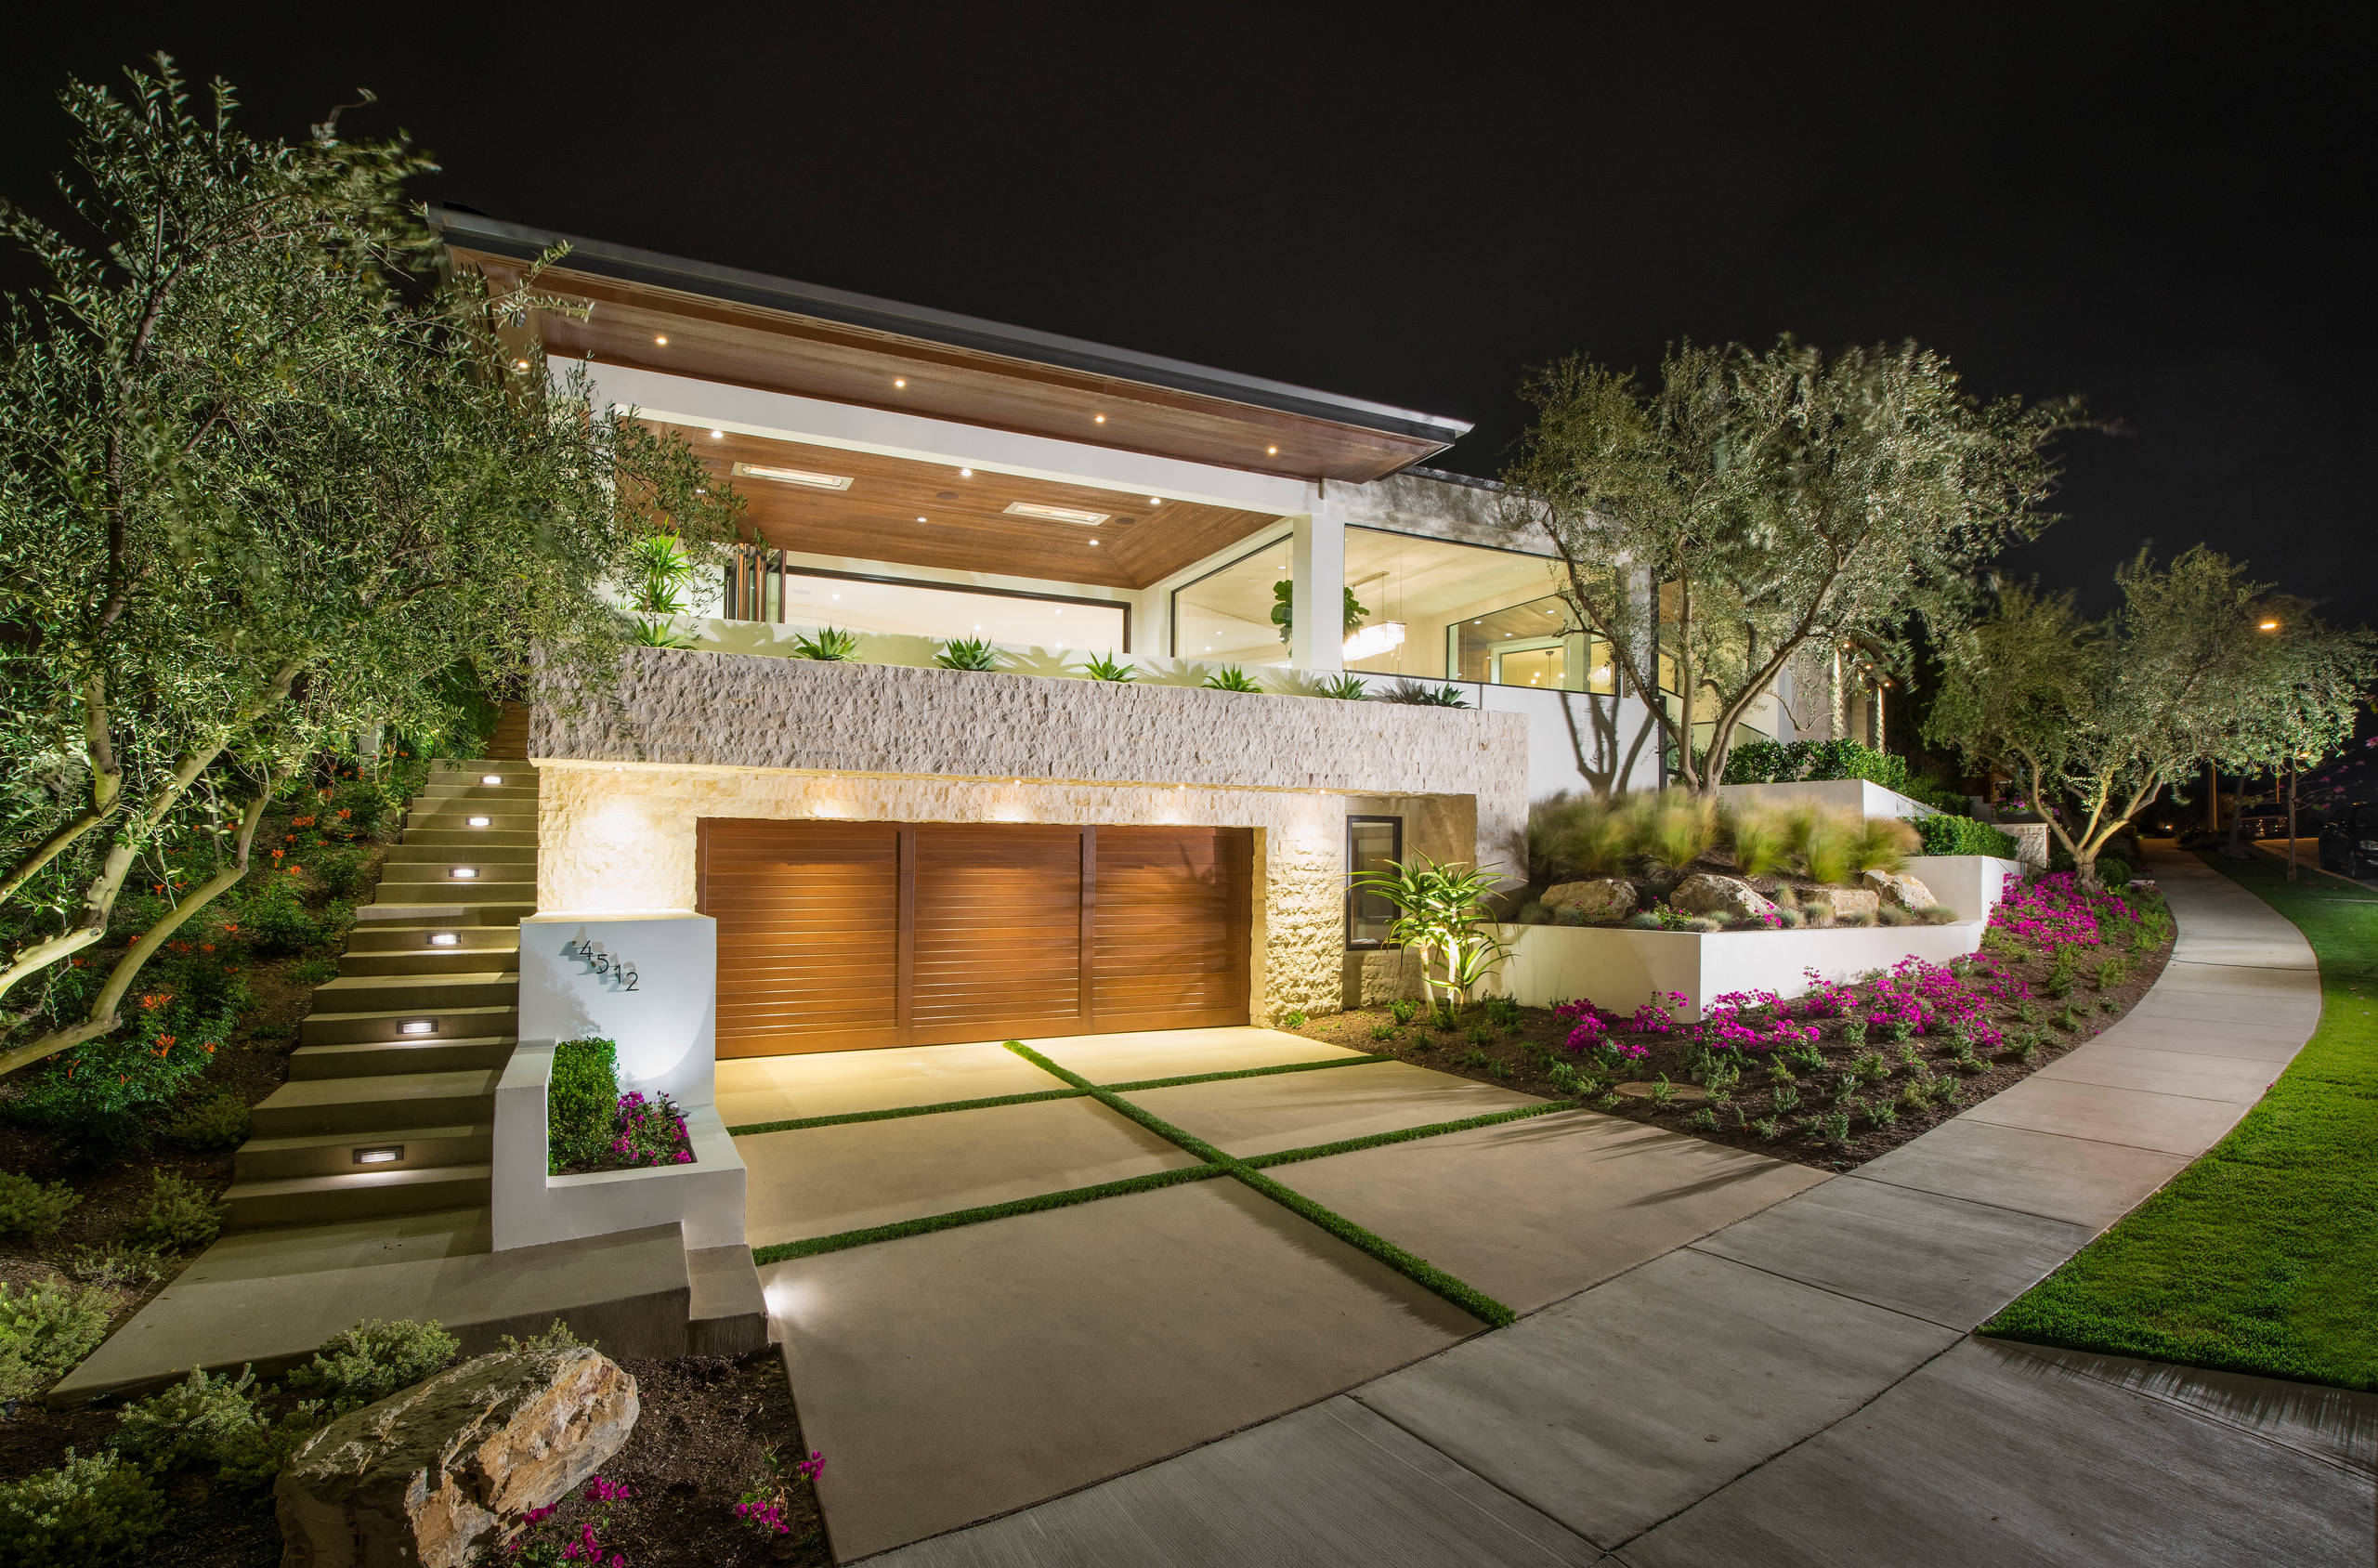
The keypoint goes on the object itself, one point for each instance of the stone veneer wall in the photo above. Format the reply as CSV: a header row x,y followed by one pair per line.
x,y
697,735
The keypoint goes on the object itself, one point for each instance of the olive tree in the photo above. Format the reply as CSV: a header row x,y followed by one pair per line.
x,y
2094,719
1752,505
266,472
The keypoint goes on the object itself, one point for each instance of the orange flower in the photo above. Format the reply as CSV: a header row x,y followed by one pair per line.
x,y
207,947
150,1003
296,870
279,852
232,926
343,811
210,1048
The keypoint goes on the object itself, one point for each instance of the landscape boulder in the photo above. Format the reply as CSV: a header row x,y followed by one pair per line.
x,y
1905,892
419,1478
1600,901
1726,898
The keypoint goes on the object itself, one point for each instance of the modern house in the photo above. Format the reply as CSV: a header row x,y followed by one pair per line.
x,y
901,854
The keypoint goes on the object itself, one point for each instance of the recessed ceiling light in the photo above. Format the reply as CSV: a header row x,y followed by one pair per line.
x,y
1155,501
662,339
900,381
1057,514
1271,452
814,479
1098,419
519,364
965,473
1093,542
921,519
718,435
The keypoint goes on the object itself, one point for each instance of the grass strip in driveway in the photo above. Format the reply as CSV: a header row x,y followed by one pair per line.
x,y
951,1221
1418,1270
1378,1140
2262,1257
798,1123
1359,1061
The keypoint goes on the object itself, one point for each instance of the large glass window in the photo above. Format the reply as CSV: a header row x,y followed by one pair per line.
x,y
919,609
1373,844
1437,610
1225,615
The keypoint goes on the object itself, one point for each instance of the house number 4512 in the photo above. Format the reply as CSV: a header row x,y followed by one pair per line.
x,y
600,964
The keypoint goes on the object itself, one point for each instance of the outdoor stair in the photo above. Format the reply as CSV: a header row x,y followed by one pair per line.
x,y
401,1054
510,741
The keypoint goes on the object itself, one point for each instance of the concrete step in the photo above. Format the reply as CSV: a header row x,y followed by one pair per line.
x,y
481,824
486,986
423,959
521,893
332,1154
269,1297
366,1104
480,849
514,797
382,1058
405,879
505,913
359,1195
517,770
387,1023
468,837
728,1312
397,936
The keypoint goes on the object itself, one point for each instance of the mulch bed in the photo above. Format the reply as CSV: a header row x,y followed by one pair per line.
x,y
1522,1056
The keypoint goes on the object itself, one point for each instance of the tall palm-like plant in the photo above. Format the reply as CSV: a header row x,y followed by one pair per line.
x,y
1443,915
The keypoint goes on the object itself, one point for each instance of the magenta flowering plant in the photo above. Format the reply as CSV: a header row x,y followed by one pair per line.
x,y
1657,1016
647,1132
1753,1021
2056,911
533,1546
763,1508
1589,1027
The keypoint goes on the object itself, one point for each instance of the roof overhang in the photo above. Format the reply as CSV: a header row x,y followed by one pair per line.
x,y
692,319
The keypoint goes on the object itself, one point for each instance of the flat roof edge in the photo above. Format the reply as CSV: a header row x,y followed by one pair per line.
x,y
628,264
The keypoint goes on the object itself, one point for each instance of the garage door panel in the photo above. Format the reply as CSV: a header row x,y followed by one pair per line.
x,y
839,935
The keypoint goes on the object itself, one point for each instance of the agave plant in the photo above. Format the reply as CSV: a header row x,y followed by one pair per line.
x,y
831,644
1230,677
656,631
1444,915
967,653
1425,696
1103,668
1344,689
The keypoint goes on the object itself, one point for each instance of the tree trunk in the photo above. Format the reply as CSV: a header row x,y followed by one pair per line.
x,y
2236,848
2291,819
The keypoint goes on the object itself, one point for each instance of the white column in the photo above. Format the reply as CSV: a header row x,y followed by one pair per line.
x,y
1317,638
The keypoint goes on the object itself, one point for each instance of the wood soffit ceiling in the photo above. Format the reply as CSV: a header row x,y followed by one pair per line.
x,y
781,351
966,526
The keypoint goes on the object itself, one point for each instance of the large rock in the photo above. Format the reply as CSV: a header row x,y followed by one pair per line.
x,y
1905,892
1728,898
420,1477
1601,900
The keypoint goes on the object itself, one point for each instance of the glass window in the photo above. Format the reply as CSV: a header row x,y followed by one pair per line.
x,y
1225,615
1537,643
919,609
1414,593
1372,844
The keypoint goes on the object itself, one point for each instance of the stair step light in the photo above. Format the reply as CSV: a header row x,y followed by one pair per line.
x,y
418,1027
444,939
491,779
481,821
379,1154
464,873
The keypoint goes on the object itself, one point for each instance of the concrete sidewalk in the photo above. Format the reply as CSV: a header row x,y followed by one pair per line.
x,y
1801,1386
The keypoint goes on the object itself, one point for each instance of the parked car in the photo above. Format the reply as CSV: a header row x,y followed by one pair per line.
x,y
2265,822
2349,839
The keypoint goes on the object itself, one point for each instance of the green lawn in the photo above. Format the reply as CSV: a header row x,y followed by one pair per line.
x,y
2263,1256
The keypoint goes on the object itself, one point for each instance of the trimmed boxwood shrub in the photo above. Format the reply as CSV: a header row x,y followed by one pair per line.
x,y
1945,835
581,1100
1792,762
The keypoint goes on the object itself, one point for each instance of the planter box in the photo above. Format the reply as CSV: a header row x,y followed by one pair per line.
x,y
528,1206
1970,884
666,1028
1616,968
1835,794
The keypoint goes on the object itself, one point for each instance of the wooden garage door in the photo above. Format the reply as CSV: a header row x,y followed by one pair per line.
x,y
835,937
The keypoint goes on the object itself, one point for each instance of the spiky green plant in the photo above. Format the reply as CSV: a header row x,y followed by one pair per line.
x,y
967,653
656,631
1589,835
1105,668
1443,915
1420,696
1230,677
659,569
1820,840
831,644
1344,689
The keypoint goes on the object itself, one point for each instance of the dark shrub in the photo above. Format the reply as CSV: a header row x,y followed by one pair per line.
x,y
1962,835
581,1101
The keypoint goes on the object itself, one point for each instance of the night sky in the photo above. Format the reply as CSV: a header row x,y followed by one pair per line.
x,y
2169,214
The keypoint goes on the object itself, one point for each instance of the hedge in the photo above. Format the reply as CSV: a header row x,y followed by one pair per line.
x,y
1945,835
1792,762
